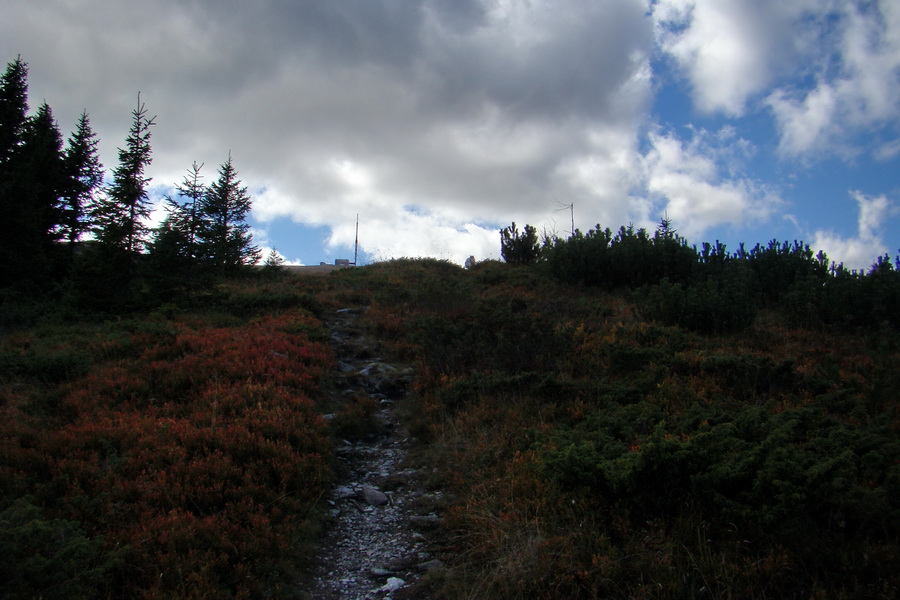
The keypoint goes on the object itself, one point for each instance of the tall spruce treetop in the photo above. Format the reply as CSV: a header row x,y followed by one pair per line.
x,y
84,175
177,236
13,108
192,191
120,216
43,173
13,122
32,184
225,239
31,181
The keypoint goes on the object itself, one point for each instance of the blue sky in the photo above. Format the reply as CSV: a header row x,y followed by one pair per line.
x,y
440,121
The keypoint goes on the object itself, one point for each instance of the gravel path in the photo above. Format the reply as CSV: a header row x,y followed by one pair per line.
x,y
376,543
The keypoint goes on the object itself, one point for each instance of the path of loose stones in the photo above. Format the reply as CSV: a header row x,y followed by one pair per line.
x,y
375,544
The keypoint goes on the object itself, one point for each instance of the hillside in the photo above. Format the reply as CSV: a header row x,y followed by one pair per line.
x,y
584,447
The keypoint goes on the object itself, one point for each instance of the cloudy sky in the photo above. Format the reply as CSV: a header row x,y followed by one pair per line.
x,y
440,121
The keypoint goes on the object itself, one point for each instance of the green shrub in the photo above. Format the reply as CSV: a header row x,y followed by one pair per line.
x,y
847,299
777,267
514,336
799,472
355,418
48,366
263,300
581,259
711,306
51,558
519,248
631,258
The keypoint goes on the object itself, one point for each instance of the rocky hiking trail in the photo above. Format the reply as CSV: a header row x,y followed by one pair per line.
x,y
375,544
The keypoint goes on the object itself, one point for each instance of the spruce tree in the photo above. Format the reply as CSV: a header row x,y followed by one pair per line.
x,y
13,108
84,176
41,184
13,125
274,259
188,213
225,239
174,251
32,185
175,240
119,216
170,267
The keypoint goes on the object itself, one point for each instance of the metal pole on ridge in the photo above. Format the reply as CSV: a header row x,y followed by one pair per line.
x,y
356,243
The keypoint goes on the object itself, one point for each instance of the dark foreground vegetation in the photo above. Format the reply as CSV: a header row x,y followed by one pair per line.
x,y
589,447
169,454
596,450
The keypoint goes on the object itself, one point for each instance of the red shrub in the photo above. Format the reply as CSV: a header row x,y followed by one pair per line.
x,y
203,456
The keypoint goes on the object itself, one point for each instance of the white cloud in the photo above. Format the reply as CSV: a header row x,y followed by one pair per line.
x,y
871,53
729,49
408,234
859,252
828,70
468,119
601,183
269,203
696,183
887,151
806,124
856,90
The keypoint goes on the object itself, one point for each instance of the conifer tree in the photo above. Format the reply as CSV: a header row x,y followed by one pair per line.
x,y
44,166
175,248
119,216
32,186
274,259
188,213
13,125
170,265
84,175
13,108
225,238
41,184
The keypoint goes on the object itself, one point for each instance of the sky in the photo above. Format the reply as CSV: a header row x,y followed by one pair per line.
x,y
439,122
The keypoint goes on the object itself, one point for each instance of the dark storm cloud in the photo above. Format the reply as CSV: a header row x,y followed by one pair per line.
x,y
553,62
332,33
530,60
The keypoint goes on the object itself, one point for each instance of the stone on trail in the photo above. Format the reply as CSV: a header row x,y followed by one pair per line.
x,y
373,496
343,492
393,584
379,573
426,521
376,368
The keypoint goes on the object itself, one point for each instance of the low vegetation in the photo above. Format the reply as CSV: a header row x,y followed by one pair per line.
x,y
624,436
166,455
595,448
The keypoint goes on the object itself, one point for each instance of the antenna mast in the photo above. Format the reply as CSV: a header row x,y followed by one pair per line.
x,y
572,214
356,243
571,208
